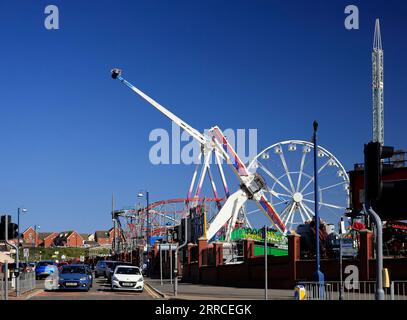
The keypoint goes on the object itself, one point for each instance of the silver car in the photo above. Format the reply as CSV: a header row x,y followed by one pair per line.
x,y
100,268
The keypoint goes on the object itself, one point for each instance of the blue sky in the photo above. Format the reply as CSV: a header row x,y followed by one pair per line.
x,y
70,136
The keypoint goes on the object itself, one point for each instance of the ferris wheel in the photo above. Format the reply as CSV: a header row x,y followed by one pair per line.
x,y
287,168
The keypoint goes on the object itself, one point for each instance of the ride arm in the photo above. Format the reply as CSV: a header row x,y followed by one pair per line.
x,y
252,184
116,74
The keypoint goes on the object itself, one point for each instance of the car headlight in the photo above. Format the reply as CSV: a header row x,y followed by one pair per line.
x,y
83,278
115,279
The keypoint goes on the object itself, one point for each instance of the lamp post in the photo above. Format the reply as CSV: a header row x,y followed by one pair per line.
x,y
35,235
341,232
318,275
19,210
140,195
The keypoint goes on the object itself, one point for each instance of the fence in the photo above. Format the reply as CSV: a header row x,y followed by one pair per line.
x,y
1,286
398,290
361,290
27,283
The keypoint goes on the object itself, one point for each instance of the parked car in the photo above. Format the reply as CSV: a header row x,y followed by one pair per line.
x,y
100,269
127,277
74,277
45,268
111,266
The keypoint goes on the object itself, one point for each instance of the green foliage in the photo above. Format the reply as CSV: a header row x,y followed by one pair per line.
x,y
70,253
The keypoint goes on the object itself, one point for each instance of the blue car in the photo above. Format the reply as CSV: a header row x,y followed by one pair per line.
x,y
44,269
74,277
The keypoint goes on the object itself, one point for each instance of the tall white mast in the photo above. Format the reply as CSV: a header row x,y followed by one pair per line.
x,y
377,86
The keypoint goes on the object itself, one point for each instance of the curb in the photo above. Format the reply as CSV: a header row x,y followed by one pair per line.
x,y
34,293
27,295
163,295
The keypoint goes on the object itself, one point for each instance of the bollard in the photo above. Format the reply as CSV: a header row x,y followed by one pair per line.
x,y
299,292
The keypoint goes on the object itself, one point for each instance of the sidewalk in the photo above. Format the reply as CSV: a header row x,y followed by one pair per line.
x,y
188,291
26,295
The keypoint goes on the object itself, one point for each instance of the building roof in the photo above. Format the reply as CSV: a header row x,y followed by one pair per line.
x,y
28,229
102,234
43,235
84,236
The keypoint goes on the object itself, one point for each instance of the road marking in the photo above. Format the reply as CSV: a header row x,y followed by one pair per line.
x,y
151,292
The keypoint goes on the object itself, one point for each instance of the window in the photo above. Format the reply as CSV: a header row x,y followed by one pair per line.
x,y
73,269
123,270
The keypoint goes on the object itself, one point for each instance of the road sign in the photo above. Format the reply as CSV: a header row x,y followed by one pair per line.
x,y
82,258
26,252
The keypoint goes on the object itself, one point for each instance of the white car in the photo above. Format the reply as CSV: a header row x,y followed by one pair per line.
x,y
127,278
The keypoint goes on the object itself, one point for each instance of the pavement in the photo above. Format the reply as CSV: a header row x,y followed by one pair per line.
x,y
188,291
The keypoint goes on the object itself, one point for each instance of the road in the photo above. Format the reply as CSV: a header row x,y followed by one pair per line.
x,y
99,291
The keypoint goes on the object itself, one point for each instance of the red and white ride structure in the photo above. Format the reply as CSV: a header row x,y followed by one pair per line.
x,y
224,210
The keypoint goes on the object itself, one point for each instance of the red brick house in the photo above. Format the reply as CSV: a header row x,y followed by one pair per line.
x,y
30,237
106,237
46,239
68,239
103,238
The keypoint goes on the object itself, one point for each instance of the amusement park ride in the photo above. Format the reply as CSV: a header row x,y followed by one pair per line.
x,y
281,196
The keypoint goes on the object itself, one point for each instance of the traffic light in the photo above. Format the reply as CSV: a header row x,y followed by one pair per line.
x,y
2,227
374,167
12,229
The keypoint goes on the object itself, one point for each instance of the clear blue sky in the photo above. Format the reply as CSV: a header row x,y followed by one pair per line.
x,y
70,136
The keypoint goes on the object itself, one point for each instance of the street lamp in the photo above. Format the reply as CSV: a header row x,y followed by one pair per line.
x,y
341,232
141,195
35,235
19,210
318,275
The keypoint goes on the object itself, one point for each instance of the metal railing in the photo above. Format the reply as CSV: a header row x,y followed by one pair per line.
x,y
27,282
1,286
358,290
398,290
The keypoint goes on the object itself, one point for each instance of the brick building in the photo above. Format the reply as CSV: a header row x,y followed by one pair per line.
x,y
46,239
103,238
30,237
68,239
106,237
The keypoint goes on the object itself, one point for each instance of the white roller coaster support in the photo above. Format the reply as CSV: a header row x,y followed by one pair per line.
x,y
191,188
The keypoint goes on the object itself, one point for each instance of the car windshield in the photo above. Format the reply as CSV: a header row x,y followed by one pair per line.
x,y
124,270
73,269
45,263
100,264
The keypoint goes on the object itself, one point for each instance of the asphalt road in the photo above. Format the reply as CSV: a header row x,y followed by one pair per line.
x,y
100,291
